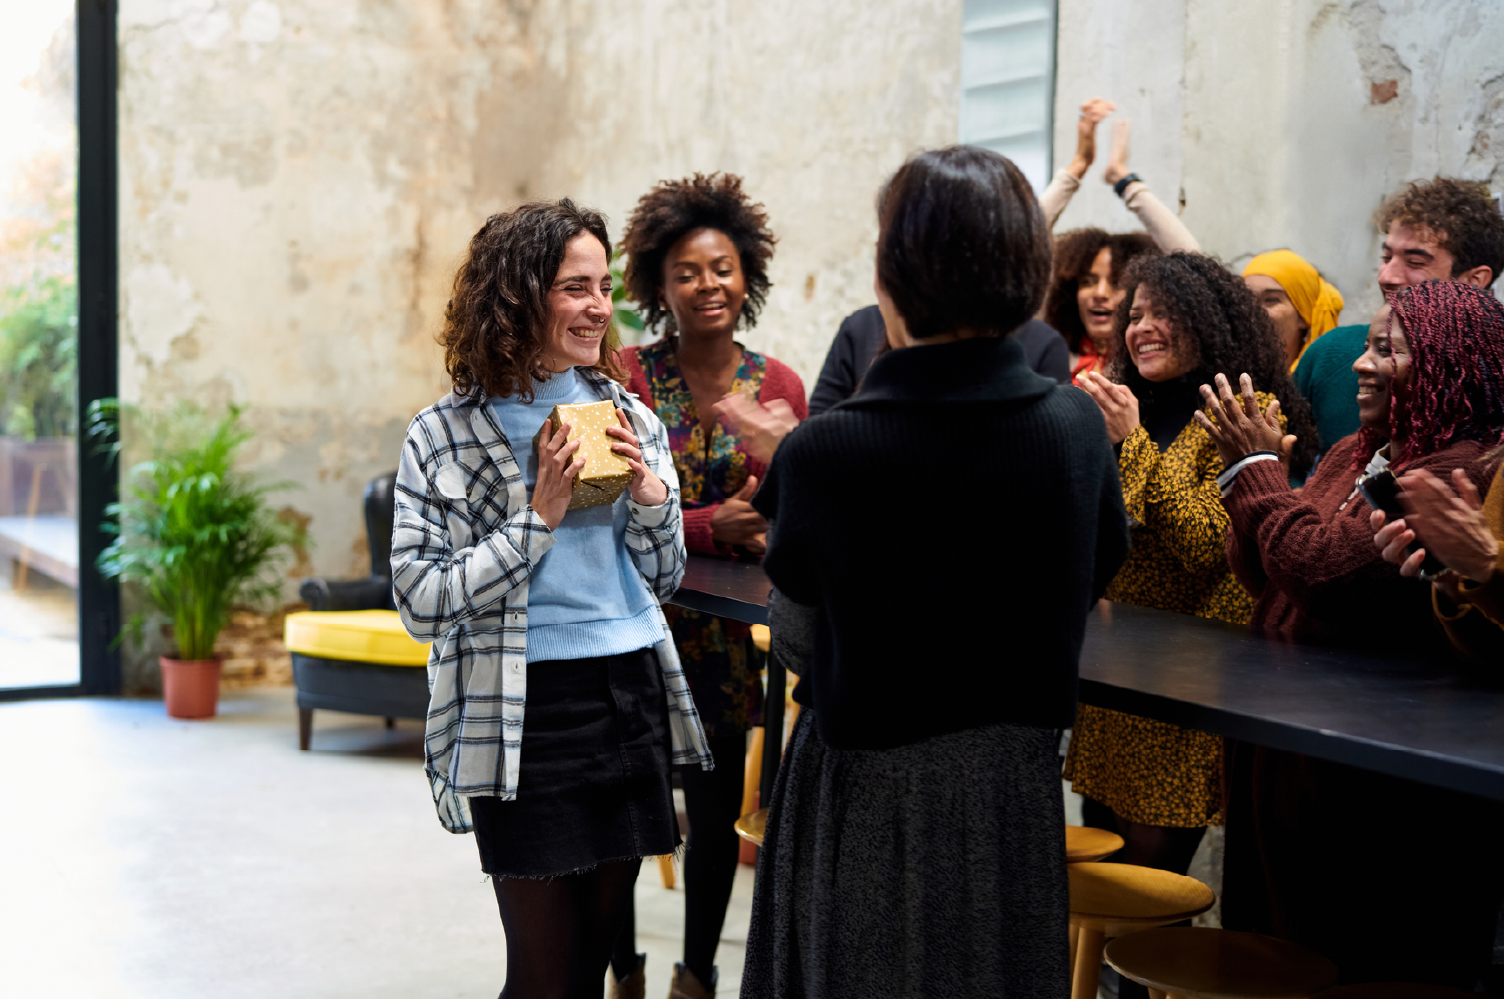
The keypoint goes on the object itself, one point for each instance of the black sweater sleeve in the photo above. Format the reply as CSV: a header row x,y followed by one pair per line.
x,y
857,341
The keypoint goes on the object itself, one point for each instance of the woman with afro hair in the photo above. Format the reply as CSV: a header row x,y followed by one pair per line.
x,y
698,252
1183,318
1361,867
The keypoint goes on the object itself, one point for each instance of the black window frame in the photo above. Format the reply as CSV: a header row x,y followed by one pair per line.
x,y
96,62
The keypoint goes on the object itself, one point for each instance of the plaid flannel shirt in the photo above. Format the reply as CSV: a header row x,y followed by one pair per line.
x,y
464,544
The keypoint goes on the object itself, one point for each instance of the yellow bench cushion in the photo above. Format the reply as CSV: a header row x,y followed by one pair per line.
x,y
373,636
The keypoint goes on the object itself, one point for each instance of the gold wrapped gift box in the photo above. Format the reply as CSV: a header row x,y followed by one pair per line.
x,y
606,474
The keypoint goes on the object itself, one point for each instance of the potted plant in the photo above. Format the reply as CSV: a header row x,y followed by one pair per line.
x,y
195,535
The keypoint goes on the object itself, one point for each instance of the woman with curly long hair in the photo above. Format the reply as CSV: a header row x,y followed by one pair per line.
x,y
1359,866
557,700
1183,317
698,252
1086,284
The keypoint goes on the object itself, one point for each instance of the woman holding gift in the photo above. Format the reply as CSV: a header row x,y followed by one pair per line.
x,y
1184,316
557,700
698,264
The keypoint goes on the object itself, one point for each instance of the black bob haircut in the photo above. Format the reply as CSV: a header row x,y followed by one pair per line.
x,y
961,243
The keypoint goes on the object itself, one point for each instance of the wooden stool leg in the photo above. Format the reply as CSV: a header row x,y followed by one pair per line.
x,y
1155,993
1088,970
752,772
305,727
666,871
1074,934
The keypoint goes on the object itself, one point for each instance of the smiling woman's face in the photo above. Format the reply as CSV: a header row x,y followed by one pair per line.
x,y
1152,345
579,304
1382,369
703,283
1097,298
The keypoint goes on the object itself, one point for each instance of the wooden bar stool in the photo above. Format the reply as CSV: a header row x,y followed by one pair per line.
x,y
1109,899
1216,963
1089,844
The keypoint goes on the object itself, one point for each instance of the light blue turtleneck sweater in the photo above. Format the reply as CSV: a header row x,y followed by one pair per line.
x,y
585,597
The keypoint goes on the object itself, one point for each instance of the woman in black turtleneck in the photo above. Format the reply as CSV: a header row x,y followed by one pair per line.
x,y
1184,317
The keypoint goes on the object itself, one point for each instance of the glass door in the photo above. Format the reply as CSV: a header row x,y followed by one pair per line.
x,y
39,490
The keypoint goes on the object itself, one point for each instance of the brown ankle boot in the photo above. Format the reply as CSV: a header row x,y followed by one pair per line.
x,y
635,985
686,985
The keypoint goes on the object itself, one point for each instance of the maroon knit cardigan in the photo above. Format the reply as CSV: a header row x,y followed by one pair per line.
x,y
1309,557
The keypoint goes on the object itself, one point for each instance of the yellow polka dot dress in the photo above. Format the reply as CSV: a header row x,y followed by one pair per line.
x,y
1150,772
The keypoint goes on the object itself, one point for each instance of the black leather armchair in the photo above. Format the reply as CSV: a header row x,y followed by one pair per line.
x,y
355,686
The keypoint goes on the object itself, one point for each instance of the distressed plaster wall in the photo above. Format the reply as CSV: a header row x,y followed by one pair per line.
x,y
299,179
1285,122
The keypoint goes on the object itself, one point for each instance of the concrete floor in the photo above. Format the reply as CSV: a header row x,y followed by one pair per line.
x,y
38,631
150,857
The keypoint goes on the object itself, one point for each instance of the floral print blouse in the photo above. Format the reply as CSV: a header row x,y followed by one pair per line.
x,y
719,660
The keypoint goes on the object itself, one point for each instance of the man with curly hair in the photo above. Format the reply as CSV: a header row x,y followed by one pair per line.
x,y
1445,228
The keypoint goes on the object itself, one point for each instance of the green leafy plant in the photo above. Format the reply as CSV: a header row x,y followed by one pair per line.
x,y
194,533
628,321
38,358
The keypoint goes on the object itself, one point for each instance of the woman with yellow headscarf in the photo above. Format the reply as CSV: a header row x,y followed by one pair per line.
x,y
1302,304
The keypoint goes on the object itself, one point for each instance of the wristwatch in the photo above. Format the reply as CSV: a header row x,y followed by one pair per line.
x,y
1122,184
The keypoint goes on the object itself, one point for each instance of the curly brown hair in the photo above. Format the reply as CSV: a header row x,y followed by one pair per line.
x,y
496,323
1213,314
1074,253
1462,215
672,209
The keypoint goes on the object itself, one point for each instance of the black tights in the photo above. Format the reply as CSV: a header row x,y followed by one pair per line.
x,y
560,930
1170,848
712,801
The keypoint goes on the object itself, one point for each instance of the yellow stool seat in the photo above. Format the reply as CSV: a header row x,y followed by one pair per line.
x,y
1088,844
1215,963
372,636
1118,899
753,826
1109,899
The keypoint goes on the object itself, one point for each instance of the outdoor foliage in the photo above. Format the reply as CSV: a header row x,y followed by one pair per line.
x,y
38,358
628,321
194,533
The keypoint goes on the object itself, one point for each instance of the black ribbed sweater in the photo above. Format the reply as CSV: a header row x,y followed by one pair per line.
x,y
954,522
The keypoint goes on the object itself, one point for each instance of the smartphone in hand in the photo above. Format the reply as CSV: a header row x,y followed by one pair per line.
x,y
1382,491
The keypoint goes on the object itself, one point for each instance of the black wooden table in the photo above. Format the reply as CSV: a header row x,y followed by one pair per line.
x,y
1433,722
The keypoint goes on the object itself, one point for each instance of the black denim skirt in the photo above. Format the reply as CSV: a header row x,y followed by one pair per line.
x,y
594,781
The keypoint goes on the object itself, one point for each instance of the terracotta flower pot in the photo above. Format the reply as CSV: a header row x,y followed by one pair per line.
x,y
190,687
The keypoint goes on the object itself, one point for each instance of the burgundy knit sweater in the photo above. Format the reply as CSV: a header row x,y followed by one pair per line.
x,y
779,382
1309,557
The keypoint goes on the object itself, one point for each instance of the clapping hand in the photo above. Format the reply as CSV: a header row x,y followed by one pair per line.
x,y
1118,405
1238,427
760,427
1449,524
1117,163
737,523
1092,113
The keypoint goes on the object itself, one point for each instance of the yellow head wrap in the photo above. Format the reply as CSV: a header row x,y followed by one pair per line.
x,y
1316,300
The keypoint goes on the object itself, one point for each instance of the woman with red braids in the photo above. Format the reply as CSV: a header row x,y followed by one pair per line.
x,y
1359,866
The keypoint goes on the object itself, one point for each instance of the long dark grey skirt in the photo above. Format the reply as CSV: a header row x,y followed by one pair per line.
x,y
931,870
